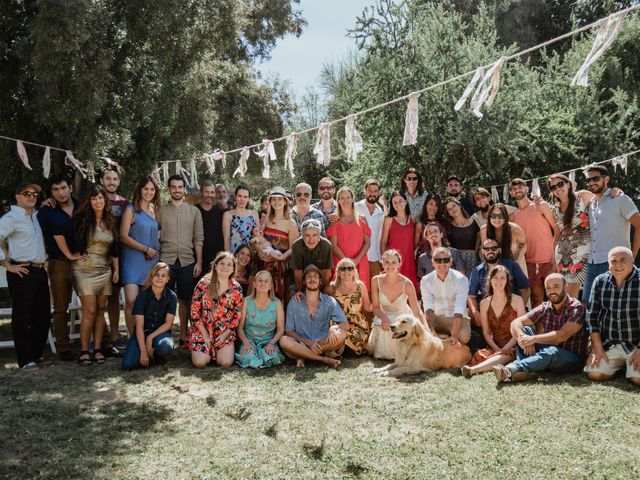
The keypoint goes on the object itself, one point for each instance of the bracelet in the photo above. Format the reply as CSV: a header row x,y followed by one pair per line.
x,y
146,249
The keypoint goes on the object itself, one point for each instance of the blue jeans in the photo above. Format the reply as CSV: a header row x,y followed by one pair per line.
x,y
162,345
547,357
593,270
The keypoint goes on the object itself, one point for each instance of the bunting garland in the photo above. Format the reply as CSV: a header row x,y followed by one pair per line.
x,y
494,195
479,73
165,173
46,162
290,154
242,162
353,140
155,174
411,121
268,154
487,89
22,153
322,149
621,161
194,174
71,161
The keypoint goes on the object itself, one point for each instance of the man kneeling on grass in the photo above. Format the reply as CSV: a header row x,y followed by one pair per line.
x,y
561,345
309,334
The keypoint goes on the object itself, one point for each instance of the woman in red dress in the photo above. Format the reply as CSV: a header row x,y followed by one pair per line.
x,y
398,233
350,235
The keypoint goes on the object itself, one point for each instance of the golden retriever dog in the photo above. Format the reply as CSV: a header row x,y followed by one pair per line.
x,y
418,350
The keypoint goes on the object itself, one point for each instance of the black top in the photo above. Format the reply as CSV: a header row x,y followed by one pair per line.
x,y
154,311
463,238
213,239
52,221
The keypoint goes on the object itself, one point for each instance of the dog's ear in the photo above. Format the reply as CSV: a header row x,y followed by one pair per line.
x,y
418,331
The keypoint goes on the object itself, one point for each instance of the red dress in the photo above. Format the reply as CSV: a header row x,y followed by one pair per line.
x,y
350,239
279,268
401,239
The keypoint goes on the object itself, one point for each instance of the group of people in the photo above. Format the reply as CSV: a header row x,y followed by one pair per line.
x,y
316,281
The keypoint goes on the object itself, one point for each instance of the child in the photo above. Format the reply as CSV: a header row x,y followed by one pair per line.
x,y
263,247
153,311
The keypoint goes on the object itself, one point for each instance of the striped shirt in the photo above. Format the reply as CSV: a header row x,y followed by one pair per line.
x,y
572,311
614,312
23,235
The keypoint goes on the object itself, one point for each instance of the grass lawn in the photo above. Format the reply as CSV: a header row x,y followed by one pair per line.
x,y
68,422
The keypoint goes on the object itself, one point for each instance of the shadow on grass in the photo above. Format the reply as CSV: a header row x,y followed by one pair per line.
x,y
576,380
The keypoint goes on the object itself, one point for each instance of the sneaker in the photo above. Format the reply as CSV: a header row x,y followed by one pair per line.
x,y
120,344
502,373
31,366
523,376
66,356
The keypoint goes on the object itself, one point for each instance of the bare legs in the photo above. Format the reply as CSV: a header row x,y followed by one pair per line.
x,y
298,350
91,305
487,365
224,357
130,294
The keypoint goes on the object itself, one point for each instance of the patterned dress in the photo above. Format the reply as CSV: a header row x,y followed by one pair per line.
x,y
278,269
217,316
352,304
500,331
572,249
241,227
259,328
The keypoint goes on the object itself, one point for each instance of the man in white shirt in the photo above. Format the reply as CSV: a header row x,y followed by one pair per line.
x,y
374,215
444,297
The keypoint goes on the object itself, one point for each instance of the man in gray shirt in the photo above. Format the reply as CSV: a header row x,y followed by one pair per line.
x,y
610,221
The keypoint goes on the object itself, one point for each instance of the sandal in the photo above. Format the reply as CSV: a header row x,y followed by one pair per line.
x,y
99,361
84,360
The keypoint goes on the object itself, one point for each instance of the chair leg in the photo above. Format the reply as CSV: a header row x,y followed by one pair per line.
x,y
52,343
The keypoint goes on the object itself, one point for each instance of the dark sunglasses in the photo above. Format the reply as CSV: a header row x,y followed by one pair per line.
x,y
594,179
302,194
442,260
495,216
491,249
411,179
30,194
325,187
560,184
346,268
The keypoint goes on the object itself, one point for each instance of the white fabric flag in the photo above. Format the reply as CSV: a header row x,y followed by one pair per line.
x,y
70,160
505,193
155,174
184,173
322,148
22,153
267,154
621,161
607,33
535,188
46,162
487,89
116,166
353,140
411,121
494,195
165,173
211,163
242,162
479,73
572,178
290,154
194,174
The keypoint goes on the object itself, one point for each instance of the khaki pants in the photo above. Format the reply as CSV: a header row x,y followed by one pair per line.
x,y
442,325
61,290
618,359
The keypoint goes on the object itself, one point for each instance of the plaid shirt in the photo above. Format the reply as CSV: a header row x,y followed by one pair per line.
x,y
312,213
572,311
615,313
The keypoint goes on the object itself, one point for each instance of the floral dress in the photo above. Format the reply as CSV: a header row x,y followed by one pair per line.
x,y
572,249
260,326
352,304
241,230
217,316
278,269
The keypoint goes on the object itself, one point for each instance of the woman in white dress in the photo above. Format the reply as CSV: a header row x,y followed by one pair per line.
x,y
393,294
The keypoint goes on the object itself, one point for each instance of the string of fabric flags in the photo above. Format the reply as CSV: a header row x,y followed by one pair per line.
x,y
483,89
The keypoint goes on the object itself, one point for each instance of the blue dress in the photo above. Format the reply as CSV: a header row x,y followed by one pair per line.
x,y
241,230
134,266
259,328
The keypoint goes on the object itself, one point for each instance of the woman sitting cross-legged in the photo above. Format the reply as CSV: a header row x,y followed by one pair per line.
x,y
153,310
497,311
215,313
261,325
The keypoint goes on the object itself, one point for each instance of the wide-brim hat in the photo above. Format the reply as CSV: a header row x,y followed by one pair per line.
x,y
278,192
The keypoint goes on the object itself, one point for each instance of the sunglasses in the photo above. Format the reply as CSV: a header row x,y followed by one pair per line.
x,y
594,179
560,184
347,268
302,194
325,187
442,260
411,179
496,216
491,249
30,194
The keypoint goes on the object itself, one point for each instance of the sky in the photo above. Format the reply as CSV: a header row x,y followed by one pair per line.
x,y
323,41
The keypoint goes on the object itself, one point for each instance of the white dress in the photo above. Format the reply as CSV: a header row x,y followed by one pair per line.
x,y
379,345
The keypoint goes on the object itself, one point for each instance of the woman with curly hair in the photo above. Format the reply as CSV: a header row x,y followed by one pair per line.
x,y
413,189
431,213
91,243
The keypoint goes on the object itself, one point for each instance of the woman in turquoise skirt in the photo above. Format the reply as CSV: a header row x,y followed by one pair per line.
x,y
261,325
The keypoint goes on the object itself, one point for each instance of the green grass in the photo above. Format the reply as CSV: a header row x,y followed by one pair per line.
x,y
171,422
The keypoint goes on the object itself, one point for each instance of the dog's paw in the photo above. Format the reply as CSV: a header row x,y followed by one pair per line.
x,y
384,373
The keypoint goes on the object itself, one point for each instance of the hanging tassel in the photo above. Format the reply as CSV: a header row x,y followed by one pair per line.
x,y
487,89
211,163
479,73
607,33
535,188
116,166
494,195
505,193
268,153
622,161
184,173
194,174
92,172
242,162
155,174
353,140
572,179
322,149
46,162
22,153
290,154
411,121
165,173
70,160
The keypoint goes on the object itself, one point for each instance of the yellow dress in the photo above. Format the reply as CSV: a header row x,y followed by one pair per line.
x,y
352,306
92,276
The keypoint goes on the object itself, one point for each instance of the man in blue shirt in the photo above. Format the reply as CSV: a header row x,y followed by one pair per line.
x,y
309,334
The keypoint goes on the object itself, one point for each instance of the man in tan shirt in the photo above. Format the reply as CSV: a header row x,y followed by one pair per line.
x,y
181,238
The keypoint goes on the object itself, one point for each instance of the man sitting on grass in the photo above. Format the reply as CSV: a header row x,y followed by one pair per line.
x,y
308,333
562,344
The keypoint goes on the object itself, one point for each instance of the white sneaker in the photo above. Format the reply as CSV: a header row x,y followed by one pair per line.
x,y
31,366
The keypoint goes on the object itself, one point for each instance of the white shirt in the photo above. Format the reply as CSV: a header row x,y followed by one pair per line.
x,y
375,221
23,236
445,298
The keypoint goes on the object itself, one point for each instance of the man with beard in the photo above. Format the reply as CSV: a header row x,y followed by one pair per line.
x,y
303,210
454,189
537,221
482,201
374,216
181,234
327,204
309,334
222,196
212,224
311,248
561,345
609,221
